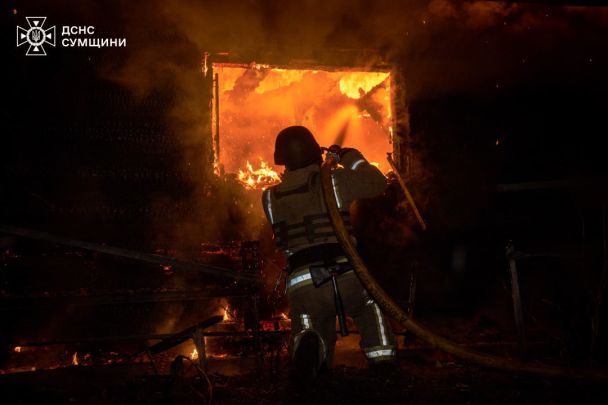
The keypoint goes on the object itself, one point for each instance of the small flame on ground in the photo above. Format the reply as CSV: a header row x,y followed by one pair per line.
x,y
259,178
17,349
194,354
226,315
75,359
284,316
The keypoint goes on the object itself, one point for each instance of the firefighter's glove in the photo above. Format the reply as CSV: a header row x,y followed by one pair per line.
x,y
337,152
333,152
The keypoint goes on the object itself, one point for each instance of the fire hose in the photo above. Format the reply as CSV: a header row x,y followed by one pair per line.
x,y
395,311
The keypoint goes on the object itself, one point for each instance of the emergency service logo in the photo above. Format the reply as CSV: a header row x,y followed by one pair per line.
x,y
36,36
72,36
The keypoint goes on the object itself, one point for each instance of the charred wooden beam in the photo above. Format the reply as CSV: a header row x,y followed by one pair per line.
x,y
588,183
183,335
10,302
153,336
518,312
129,254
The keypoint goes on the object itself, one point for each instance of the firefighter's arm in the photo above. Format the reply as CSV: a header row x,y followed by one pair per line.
x,y
267,204
362,180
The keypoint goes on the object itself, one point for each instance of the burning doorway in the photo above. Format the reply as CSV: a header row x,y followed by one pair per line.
x,y
253,102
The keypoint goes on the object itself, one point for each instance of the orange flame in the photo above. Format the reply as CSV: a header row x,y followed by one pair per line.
x,y
75,359
257,101
194,354
356,84
260,178
278,78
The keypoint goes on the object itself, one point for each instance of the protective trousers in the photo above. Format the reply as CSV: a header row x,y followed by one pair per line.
x,y
312,308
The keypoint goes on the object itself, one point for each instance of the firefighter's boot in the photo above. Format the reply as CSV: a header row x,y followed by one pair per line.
x,y
307,361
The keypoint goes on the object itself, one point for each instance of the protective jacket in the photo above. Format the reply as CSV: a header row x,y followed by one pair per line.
x,y
296,210
295,207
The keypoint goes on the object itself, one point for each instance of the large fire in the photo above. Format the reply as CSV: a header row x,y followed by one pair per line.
x,y
352,108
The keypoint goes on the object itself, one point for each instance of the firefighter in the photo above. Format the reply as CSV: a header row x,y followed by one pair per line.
x,y
301,227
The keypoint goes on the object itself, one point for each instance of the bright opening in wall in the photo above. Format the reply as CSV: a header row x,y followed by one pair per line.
x,y
254,102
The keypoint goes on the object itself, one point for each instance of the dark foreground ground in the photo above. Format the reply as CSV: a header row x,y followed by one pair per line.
x,y
423,378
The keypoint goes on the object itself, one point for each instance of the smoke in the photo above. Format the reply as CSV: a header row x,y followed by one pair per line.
x,y
411,34
483,15
441,46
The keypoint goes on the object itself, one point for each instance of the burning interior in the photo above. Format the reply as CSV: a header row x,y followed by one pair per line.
x,y
253,102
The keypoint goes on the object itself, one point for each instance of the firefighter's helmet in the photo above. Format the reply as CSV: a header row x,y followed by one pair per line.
x,y
296,147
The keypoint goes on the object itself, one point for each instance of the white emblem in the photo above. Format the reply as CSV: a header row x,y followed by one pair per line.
x,y
36,36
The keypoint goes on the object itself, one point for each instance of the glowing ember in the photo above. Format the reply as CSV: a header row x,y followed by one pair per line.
x,y
226,314
17,349
259,178
75,359
194,354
